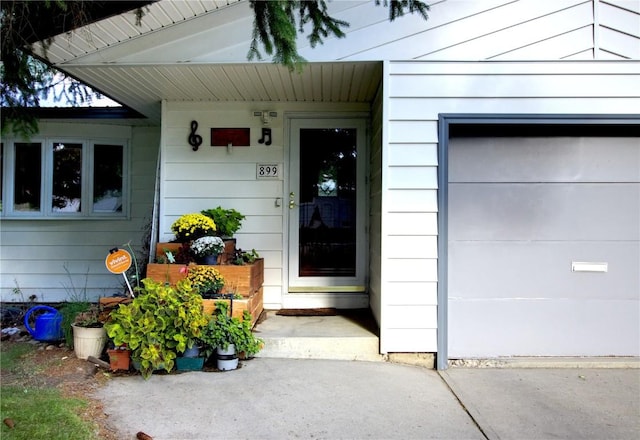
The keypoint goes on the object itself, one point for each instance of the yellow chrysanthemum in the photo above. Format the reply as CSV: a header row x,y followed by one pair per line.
x,y
205,279
193,226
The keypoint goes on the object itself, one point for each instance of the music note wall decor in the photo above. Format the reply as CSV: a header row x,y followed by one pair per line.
x,y
266,137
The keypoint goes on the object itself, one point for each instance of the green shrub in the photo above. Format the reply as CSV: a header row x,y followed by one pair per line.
x,y
160,322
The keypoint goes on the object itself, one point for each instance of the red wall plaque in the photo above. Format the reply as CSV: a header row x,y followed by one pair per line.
x,y
238,137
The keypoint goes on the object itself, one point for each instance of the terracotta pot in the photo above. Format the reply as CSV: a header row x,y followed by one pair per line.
x,y
119,359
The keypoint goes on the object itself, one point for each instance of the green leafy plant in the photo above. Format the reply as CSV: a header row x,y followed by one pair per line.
x,y
224,330
245,257
159,323
228,221
90,317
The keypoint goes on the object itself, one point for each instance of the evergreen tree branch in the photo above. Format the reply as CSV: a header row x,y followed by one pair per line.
x,y
397,8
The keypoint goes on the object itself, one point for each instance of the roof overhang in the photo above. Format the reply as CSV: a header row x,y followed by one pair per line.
x,y
144,87
196,51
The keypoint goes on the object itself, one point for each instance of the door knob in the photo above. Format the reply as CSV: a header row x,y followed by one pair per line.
x,y
292,202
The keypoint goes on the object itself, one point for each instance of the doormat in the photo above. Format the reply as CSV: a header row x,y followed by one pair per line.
x,y
307,312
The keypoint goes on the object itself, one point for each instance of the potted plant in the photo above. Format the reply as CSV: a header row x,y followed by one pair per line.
x,y
206,249
205,280
192,358
190,227
119,358
230,336
160,322
89,335
228,221
245,257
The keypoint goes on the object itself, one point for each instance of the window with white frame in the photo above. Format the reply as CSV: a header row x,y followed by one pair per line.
x,y
64,178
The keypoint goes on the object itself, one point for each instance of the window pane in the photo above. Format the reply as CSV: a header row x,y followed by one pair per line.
x,y
67,177
107,178
28,177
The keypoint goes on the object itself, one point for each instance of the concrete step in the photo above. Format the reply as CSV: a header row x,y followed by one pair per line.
x,y
339,337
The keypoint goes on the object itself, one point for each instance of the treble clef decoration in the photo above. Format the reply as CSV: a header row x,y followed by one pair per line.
x,y
194,139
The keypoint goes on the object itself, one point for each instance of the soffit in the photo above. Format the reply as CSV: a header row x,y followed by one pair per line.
x,y
196,51
142,88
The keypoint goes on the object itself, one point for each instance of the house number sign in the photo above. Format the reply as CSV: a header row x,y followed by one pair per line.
x,y
267,171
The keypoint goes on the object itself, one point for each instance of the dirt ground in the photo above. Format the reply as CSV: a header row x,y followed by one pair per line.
x,y
58,367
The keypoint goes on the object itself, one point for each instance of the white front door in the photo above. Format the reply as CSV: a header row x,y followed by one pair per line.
x,y
326,206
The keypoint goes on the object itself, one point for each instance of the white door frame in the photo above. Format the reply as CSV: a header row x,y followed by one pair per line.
x,y
317,295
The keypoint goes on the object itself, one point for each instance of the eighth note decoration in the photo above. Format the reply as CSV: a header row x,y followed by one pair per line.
x,y
266,137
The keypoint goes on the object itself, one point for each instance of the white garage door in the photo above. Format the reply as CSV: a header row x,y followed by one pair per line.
x,y
522,213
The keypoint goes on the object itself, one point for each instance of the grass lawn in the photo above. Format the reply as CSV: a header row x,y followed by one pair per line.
x,y
37,411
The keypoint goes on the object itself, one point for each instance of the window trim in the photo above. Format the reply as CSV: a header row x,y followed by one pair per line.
x,y
46,185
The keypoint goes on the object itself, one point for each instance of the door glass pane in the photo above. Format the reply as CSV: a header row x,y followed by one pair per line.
x,y
1,172
327,200
107,178
67,177
28,177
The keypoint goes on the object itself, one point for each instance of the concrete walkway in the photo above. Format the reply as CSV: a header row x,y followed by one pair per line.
x,y
333,399
565,403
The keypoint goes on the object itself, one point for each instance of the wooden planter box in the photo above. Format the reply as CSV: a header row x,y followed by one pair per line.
x,y
166,246
253,303
165,272
244,280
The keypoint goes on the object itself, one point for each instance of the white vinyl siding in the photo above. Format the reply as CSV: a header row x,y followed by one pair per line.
x,y
213,176
52,259
416,93
489,29
618,30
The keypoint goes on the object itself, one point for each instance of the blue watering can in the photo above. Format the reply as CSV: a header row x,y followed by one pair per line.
x,y
48,326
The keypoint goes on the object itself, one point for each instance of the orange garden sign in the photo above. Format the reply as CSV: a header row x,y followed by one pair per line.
x,y
119,261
